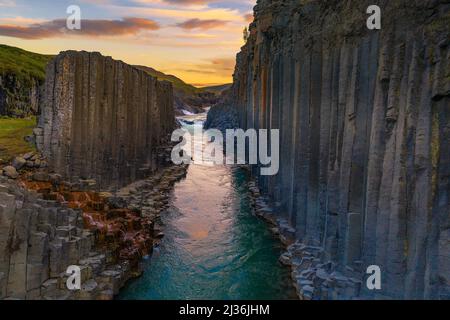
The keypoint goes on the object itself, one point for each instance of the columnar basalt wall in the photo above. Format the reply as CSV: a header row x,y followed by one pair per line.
x,y
48,225
365,140
103,119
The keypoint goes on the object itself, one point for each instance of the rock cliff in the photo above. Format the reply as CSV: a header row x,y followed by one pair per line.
x,y
17,97
364,119
103,119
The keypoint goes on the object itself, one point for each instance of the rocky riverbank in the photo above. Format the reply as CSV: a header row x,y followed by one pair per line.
x,y
47,224
311,277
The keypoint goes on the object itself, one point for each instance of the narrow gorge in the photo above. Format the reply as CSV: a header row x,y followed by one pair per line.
x,y
363,188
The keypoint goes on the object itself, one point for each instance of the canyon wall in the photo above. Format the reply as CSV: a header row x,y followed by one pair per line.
x,y
364,119
18,98
103,119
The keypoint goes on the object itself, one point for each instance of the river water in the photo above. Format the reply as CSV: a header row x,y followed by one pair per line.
x,y
214,247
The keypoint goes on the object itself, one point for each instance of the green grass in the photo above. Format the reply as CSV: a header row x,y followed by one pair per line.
x,y
12,133
176,82
25,65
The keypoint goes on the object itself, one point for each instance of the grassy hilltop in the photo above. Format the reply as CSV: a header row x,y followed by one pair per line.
x,y
24,64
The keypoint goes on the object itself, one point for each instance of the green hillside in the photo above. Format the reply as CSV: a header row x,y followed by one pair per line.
x,y
176,82
25,65
218,89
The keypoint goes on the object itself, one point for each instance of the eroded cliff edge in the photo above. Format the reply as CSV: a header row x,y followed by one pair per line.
x,y
103,119
364,119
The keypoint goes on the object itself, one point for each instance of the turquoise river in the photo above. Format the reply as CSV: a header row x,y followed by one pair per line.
x,y
214,246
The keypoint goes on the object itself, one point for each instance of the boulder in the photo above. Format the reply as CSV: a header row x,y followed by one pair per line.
x,y
10,172
286,259
4,188
41,176
55,178
28,156
43,164
19,163
116,202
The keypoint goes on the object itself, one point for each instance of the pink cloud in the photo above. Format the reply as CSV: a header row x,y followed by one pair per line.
x,y
201,24
90,28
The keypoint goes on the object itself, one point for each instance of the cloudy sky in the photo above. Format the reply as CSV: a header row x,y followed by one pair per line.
x,y
196,40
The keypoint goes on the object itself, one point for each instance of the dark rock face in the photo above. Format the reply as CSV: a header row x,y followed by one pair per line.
x,y
103,119
222,116
18,98
365,140
194,103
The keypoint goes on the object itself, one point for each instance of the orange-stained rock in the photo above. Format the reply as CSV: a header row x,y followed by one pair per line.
x,y
123,231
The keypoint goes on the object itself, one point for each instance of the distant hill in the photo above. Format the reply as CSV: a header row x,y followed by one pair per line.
x,y
177,83
217,89
187,97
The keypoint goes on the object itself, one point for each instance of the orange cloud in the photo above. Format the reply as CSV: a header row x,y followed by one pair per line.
x,y
92,28
201,24
219,66
225,64
187,2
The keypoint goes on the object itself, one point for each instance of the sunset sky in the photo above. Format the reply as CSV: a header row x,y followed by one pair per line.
x,y
196,40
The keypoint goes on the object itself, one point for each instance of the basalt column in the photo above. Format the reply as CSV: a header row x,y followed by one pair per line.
x,y
103,119
364,120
